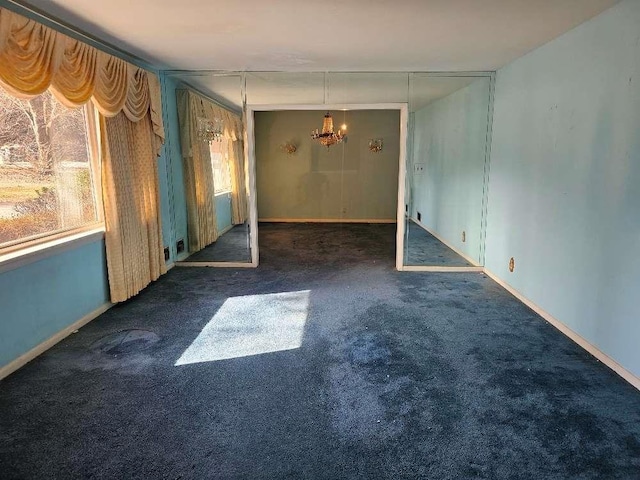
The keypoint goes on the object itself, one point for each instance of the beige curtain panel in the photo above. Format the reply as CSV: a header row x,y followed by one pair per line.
x,y
132,205
233,131
34,57
238,183
198,172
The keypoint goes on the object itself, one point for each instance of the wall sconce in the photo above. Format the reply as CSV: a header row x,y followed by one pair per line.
x,y
375,145
289,148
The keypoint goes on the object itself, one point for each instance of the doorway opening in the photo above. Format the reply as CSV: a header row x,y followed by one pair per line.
x,y
317,203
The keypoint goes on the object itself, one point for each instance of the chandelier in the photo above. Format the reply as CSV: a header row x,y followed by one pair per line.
x,y
328,137
210,130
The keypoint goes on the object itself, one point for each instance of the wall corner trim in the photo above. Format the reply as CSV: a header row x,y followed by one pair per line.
x,y
25,358
592,349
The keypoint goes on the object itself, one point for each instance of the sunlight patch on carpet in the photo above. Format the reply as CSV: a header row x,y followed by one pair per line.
x,y
251,325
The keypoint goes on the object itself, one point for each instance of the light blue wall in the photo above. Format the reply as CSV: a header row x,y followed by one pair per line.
x,y
42,298
164,185
174,214
223,211
564,193
449,138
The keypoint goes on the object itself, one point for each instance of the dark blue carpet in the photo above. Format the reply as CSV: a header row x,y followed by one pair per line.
x,y
371,373
423,249
231,246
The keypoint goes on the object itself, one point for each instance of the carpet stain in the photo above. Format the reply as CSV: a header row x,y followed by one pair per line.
x,y
125,342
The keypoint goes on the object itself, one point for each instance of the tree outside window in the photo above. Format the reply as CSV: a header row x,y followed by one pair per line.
x,y
46,180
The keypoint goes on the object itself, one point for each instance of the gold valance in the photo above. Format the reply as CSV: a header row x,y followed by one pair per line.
x,y
232,122
34,57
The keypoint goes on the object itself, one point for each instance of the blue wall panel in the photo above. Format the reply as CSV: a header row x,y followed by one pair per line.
x,y
223,211
449,139
564,192
176,190
42,298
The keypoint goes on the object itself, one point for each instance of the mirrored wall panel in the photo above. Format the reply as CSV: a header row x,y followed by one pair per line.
x,y
212,133
367,88
299,180
280,88
445,182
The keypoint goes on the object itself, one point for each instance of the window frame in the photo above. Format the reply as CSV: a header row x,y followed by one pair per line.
x,y
226,162
35,247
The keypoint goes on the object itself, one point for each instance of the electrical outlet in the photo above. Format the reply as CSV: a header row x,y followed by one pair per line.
x,y
419,216
464,236
418,168
406,208
180,246
512,264
167,255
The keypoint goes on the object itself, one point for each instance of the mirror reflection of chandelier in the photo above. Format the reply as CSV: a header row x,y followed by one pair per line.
x,y
328,137
210,130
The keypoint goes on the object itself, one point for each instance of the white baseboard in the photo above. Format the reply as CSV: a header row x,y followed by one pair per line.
x,y
327,220
23,359
593,350
462,254
216,264
439,268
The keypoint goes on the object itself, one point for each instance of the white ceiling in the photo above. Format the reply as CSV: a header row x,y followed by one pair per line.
x,y
326,35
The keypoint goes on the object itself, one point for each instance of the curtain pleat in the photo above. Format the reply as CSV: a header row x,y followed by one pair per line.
x,y
238,183
29,55
131,198
73,85
198,173
155,105
110,93
136,104
34,57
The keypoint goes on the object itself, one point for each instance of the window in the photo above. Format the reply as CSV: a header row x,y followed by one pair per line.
x,y
220,164
46,175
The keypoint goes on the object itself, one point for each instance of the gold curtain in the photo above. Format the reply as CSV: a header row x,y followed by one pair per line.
x,y
198,172
238,182
132,205
34,57
232,131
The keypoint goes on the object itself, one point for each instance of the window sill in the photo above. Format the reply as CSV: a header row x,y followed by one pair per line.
x,y
30,254
219,194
